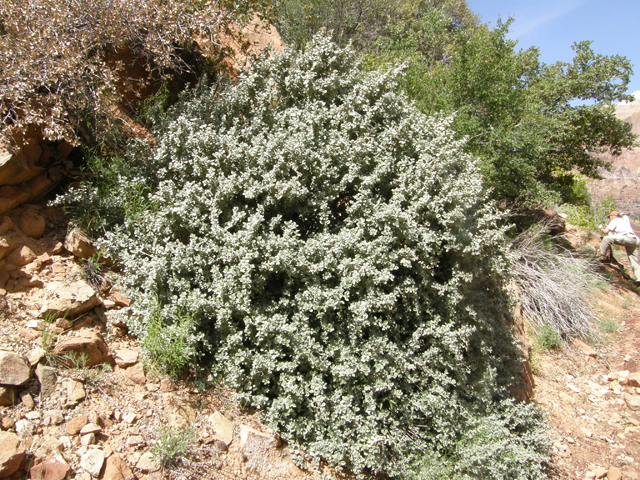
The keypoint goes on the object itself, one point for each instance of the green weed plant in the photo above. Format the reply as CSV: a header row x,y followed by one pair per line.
x,y
547,338
607,326
172,445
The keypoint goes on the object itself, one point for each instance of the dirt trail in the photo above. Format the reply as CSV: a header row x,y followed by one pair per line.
x,y
590,392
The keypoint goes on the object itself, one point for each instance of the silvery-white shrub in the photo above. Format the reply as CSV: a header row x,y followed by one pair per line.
x,y
333,254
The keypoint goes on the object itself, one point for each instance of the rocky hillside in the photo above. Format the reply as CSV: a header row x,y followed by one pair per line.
x,y
109,416
623,180
75,398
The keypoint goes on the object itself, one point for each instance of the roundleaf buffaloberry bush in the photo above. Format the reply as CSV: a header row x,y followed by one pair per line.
x,y
332,252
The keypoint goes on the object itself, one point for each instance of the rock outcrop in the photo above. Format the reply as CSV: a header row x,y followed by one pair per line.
x,y
31,170
623,180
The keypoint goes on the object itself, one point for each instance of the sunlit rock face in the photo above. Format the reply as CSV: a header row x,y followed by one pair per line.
x,y
623,180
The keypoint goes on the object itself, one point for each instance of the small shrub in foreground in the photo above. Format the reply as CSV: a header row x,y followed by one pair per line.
x,y
607,326
547,338
168,343
172,444
332,253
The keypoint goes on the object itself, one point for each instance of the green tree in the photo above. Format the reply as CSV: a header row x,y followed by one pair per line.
x,y
360,22
534,126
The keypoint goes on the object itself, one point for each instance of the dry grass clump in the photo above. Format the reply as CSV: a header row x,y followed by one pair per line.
x,y
554,283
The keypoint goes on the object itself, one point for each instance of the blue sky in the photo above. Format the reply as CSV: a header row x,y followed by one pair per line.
x,y
554,25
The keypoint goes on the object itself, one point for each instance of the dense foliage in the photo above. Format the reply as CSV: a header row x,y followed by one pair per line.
x,y
332,251
533,126
359,22
66,64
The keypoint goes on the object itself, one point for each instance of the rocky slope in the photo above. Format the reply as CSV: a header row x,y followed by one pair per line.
x,y
78,401
591,392
623,180
75,398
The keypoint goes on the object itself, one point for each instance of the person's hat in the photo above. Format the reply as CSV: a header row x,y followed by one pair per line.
x,y
614,214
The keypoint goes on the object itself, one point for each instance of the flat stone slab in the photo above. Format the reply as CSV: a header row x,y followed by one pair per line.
x,y
222,428
68,299
91,345
92,461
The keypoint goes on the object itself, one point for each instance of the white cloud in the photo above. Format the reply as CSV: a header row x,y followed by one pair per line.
x,y
524,24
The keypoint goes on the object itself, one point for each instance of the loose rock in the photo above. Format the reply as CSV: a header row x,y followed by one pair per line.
x,y
125,358
7,423
614,473
68,299
87,440
54,467
25,428
13,369
148,464
632,401
92,461
136,374
11,453
130,418
600,472
53,417
75,391
90,428
264,458
91,345
35,355
49,446
586,349
117,469
79,244
47,377
135,440
182,413
21,256
7,395
27,400
74,426
222,428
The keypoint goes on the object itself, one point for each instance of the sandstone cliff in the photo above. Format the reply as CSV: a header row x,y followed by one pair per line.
x,y
623,180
